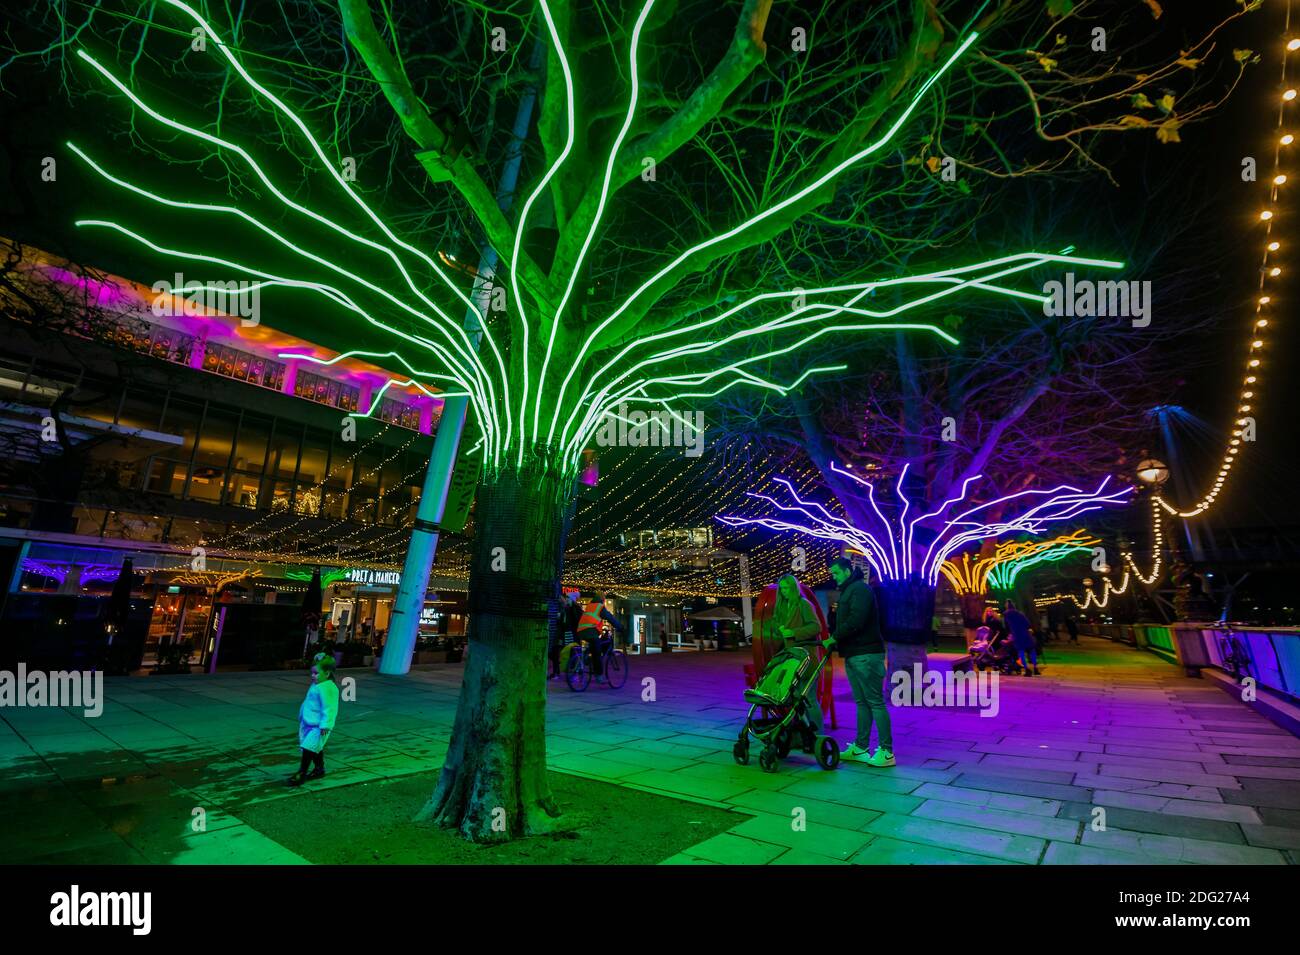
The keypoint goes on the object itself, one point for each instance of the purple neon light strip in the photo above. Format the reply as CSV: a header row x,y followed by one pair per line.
x,y
826,526
871,498
863,540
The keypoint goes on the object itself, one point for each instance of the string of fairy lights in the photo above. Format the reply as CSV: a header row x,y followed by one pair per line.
x,y
245,530
1131,571
690,571
1264,314
1263,318
251,551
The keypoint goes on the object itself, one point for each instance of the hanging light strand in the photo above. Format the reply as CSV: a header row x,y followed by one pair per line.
x,y
1264,315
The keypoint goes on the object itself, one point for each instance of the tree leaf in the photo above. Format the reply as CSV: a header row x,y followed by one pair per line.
x,y
1140,101
1167,132
1190,62
933,163
1166,103
1241,56
1059,8
1155,8
1046,62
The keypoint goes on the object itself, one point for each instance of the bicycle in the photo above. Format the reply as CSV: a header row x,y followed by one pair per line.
x,y
613,662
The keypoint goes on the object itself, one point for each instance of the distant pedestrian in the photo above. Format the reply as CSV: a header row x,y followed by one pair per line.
x,y
1023,637
316,719
566,628
1072,626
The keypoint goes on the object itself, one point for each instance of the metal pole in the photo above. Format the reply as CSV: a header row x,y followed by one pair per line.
x,y
746,601
404,624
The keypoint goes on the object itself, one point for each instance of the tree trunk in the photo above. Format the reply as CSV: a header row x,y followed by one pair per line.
x,y
493,785
972,614
906,610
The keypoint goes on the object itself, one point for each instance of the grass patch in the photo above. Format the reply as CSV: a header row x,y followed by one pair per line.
x,y
370,824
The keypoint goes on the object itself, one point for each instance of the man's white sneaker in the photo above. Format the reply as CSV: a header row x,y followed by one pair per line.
x,y
856,752
881,758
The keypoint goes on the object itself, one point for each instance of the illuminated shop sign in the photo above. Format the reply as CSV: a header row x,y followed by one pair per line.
x,y
368,577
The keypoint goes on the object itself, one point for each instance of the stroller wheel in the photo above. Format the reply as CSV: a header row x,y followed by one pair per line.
x,y
767,759
827,752
740,753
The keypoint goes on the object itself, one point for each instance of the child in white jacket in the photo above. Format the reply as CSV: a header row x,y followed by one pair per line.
x,y
316,718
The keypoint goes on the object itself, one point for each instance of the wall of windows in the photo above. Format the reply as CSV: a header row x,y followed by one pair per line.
x,y
399,413
166,344
243,459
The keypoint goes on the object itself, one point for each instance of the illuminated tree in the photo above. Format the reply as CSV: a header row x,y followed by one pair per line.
x,y
972,575
671,174
908,546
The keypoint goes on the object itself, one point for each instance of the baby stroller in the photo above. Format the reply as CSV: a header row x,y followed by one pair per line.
x,y
986,653
782,695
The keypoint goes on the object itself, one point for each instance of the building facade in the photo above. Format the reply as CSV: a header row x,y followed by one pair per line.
x,y
222,463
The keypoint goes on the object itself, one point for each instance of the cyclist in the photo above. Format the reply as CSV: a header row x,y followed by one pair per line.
x,y
593,612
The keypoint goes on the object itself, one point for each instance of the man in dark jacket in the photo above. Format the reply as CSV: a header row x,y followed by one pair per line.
x,y
858,641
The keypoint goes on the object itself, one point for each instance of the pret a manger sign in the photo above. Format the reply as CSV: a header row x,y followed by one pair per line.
x,y
369,577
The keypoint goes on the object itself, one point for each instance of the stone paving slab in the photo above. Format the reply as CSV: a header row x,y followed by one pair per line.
x,y
1161,823
1185,775
975,840
1159,848
816,838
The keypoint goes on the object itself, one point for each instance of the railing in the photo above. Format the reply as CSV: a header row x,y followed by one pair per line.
x,y
1146,636
1271,655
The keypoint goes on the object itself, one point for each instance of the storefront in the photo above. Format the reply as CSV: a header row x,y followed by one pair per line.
x,y
60,595
359,603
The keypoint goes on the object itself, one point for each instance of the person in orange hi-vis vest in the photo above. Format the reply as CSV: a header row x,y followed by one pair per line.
x,y
593,612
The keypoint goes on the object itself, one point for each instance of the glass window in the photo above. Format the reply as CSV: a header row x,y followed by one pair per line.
x,y
325,391
183,418
284,450
399,413
244,489
250,445
166,477
207,484
243,366
216,440
139,411
314,453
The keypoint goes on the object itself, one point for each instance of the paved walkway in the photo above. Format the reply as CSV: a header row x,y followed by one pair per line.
x,y
1183,772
